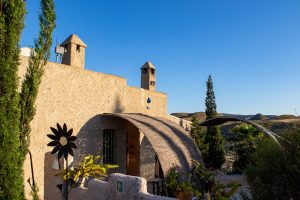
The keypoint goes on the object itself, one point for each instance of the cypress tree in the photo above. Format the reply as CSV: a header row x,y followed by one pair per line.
x,y
11,173
213,139
17,110
35,70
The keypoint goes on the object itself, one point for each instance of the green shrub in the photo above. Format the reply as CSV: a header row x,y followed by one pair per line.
x,y
205,178
275,171
224,192
178,182
245,140
172,181
215,153
198,134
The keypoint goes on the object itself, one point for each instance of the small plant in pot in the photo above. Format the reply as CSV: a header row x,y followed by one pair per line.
x,y
88,168
184,191
179,185
172,181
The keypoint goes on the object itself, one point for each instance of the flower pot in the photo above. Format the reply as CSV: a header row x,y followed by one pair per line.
x,y
184,195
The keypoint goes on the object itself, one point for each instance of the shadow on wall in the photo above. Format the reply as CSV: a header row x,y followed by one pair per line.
x,y
50,179
119,108
87,143
88,139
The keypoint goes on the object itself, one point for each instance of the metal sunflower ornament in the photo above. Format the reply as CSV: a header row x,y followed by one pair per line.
x,y
63,143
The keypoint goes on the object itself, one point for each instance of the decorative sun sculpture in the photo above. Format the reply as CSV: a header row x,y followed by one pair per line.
x,y
63,141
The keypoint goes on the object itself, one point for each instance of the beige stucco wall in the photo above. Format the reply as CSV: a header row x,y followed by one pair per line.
x,y
135,188
74,96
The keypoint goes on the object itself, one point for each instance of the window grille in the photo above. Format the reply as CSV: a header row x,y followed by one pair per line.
x,y
108,146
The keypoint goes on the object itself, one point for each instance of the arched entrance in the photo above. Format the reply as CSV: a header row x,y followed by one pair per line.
x,y
149,146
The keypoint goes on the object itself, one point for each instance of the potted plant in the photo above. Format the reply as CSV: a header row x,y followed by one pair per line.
x,y
172,181
184,191
88,168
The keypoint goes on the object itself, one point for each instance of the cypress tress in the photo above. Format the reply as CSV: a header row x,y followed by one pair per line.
x,y
213,139
35,71
17,110
11,173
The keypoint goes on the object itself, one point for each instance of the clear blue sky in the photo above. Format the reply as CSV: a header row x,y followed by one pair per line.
x,y
251,48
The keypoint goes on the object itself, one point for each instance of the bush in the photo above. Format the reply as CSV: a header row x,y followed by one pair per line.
x,y
172,181
275,171
245,140
198,134
215,154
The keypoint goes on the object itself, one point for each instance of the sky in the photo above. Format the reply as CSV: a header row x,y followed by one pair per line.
x,y
250,47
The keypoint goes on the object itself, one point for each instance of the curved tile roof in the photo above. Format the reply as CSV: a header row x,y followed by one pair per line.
x,y
171,142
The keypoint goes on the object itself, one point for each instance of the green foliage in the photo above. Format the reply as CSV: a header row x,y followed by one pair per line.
x,y
205,178
275,171
198,134
16,112
245,140
184,187
224,192
172,180
11,172
178,182
216,153
210,102
88,167
215,156
34,192
34,73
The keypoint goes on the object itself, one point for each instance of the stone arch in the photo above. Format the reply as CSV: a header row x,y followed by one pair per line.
x,y
171,143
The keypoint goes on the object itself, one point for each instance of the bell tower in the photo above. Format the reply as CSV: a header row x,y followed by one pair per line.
x,y
74,51
148,76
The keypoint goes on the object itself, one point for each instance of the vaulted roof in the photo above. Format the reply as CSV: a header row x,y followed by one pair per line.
x,y
170,141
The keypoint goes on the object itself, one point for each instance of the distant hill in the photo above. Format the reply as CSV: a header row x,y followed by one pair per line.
x,y
201,116
259,116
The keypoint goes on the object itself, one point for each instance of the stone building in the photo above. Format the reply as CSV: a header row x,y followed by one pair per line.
x,y
126,125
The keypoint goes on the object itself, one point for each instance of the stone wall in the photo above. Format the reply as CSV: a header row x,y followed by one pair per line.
x,y
76,97
135,188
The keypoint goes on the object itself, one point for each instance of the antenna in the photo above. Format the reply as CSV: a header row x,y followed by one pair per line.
x,y
296,112
59,50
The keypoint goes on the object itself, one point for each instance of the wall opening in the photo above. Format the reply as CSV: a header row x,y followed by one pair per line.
x,y
145,70
152,71
109,146
78,48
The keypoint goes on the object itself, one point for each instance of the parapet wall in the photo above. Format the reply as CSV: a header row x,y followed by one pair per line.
x,y
130,188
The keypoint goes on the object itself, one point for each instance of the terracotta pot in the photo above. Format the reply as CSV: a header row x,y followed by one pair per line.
x,y
184,195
